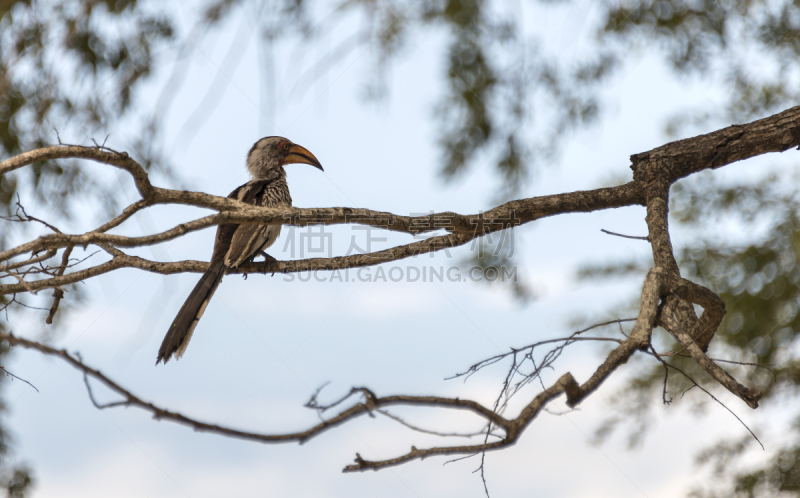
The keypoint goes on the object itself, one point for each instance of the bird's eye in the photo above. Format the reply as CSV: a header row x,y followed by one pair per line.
x,y
285,146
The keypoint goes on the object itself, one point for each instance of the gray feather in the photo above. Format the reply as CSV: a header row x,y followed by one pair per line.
x,y
234,245
180,332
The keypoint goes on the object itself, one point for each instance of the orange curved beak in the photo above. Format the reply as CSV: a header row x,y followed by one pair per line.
x,y
300,155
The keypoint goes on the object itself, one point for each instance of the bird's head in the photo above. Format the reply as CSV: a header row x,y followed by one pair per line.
x,y
269,155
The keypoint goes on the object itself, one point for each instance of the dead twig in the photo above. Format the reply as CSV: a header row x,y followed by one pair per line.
x,y
58,294
624,236
18,378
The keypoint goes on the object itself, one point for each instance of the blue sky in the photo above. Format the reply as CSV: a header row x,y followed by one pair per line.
x,y
266,343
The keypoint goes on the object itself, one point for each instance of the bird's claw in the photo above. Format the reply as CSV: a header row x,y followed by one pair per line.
x,y
267,257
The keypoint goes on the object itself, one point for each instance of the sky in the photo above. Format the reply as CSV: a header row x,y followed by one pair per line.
x,y
265,344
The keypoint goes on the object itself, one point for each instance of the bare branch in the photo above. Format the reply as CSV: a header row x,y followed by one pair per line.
x,y
513,428
117,159
434,433
31,261
777,133
667,366
748,395
18,378
624,236
572,338
666,298
465,227
58,294
126,214
371,402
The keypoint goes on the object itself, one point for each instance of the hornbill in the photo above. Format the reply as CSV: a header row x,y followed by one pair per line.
x,y
239,243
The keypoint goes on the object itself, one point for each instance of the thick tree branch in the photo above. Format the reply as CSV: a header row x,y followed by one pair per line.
x,y
666,299
654,172
776,133
748,395
120,160
508,215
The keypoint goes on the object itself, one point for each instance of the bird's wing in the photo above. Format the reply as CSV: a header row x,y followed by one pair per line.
x,y
249,238
245,193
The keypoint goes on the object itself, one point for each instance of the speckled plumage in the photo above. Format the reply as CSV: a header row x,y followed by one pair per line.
x,y
238,243
251,238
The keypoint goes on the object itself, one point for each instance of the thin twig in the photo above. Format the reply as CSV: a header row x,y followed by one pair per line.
x,y
695,384
625,236
459,459
28,217
426,431
32,261
18,378
58,294
653,174
765,366
573,337
666,376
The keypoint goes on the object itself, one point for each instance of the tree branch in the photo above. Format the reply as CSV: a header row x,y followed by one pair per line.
x,y
666,298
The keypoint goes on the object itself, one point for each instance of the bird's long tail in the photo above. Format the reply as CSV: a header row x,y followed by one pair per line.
x,y
182,327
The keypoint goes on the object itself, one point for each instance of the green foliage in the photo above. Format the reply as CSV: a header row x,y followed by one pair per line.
x,y
107,47
759,280
18,483
76,66
15,480
73,67
749,46
781,474
492,73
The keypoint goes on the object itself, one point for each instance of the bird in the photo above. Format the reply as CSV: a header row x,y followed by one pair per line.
x,y
238,243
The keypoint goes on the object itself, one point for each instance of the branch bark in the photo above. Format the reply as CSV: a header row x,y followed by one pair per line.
x,y
667,299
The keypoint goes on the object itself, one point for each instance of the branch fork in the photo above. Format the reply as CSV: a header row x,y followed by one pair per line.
x,y
667,299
